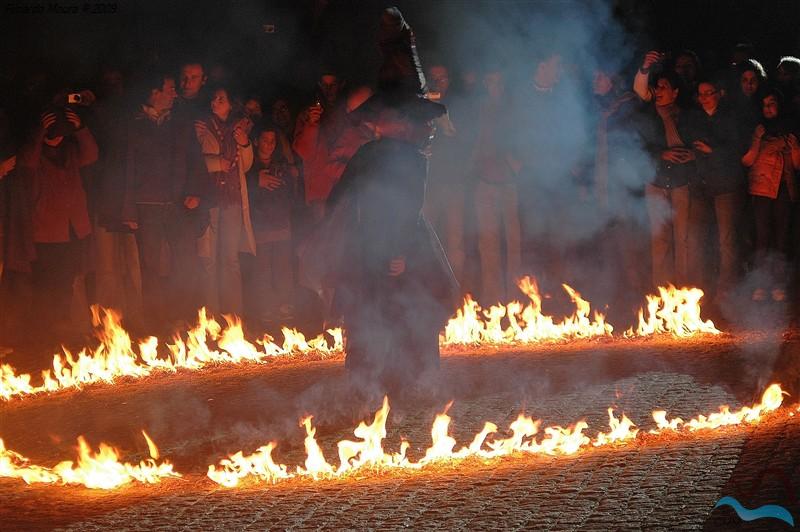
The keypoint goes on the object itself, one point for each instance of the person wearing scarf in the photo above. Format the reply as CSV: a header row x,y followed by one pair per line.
x,y
667,194
228,155
772,160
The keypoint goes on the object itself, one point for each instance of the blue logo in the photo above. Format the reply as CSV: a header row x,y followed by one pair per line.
x,y
768,510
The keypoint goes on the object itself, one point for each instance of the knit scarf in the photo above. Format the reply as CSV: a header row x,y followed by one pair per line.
x,y
669,114
227,182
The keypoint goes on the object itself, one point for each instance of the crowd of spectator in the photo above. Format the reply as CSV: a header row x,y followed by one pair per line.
x,y
164,191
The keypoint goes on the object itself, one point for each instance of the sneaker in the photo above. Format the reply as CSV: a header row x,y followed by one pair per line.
x,y
778,294
759,294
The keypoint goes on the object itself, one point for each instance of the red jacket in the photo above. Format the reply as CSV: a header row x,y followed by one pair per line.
x,y
315,143
58,198
773,164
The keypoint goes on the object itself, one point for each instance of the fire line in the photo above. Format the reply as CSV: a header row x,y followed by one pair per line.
x,y
102,470
673,311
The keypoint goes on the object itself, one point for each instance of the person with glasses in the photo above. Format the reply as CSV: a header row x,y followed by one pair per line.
x,y
717,190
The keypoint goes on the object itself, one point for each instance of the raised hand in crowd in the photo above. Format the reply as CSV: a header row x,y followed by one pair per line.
x,y
651,58
314,113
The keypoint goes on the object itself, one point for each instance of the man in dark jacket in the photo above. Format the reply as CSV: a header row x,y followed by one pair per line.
x,y
155,191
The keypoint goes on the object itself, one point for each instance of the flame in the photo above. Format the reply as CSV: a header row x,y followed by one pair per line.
x,y
99,470
259,464
557,440
473,325
315,465
116,356
771,400
369,451
620,430
674,311
151,447
14,465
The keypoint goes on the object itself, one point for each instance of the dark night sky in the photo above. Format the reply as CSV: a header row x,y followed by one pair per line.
x,y
145,32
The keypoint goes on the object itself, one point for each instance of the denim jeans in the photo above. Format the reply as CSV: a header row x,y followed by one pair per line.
x,y
219,256
668,210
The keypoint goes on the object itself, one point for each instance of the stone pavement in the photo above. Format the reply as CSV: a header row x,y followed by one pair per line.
x,y
666,482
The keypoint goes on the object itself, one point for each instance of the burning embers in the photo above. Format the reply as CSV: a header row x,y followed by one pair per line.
x,y
103,470
100,470
674,311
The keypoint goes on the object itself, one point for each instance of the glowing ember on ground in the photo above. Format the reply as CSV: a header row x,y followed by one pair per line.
x,y
674,311
100,470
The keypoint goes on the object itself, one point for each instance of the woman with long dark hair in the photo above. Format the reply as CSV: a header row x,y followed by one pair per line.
x,y
228,154
750,77
772,159
275,195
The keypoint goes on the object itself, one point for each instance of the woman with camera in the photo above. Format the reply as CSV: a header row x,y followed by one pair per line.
x,y
50,164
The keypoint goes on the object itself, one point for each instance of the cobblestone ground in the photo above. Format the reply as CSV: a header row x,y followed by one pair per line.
x,y
665,482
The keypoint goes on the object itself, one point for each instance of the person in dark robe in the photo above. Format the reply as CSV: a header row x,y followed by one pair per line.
x,y
393,285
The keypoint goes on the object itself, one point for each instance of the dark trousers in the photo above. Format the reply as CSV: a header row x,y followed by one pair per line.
x,y
772,222
721,211
53,274
167,256
273,278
